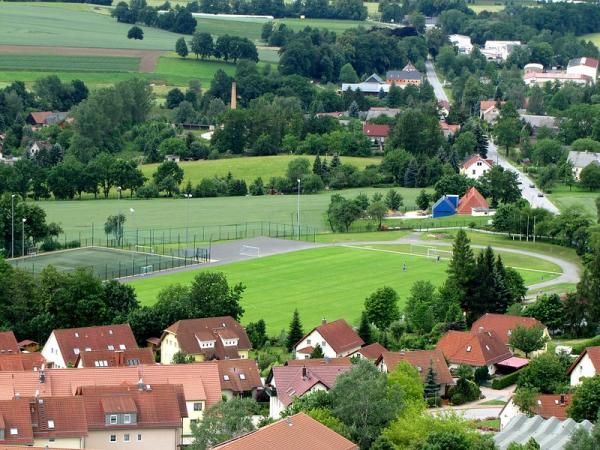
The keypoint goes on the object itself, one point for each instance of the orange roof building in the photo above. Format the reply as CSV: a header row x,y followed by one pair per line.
x,y
586,365
471,202
107,358
421,360
371,352
239,376
503,324
337,339
8,343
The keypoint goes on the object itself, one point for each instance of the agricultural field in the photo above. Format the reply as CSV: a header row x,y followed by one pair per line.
x,y
247,168
594,37
563,197
54,63
276,285
78,216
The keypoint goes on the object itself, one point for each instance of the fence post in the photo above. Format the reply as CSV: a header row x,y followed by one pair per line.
x,y
92,234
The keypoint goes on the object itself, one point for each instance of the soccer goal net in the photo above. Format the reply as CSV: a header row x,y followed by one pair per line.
x,y
146,269
436,252
144,249
248,250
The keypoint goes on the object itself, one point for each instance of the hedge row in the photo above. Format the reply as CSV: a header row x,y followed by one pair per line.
x,y
505,381
579,348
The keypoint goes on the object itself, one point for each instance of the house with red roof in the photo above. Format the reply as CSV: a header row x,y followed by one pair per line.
x,y
297,432
285,383
21,361
489,110
420,360
337,339
448,129
376,133
239,377
319,362
369,352
39,119
474,167
8,343
546,406
473,203
117,358
586,365
504,324
63,347
205,339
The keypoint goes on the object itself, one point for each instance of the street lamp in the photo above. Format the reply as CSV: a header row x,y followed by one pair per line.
x,y
23,238
298,210
12,232
119,224
187,216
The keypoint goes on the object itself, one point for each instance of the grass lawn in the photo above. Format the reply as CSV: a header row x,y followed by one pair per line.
x,y
330,282
335,238
594,37
489,423
52,63
555,289
248,168
78,216
563,198
494,403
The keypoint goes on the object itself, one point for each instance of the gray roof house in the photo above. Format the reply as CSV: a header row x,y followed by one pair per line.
x,y
372,85
550,434
581,160
536,122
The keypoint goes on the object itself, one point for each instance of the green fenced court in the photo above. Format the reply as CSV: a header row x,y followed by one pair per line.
x,y
108,263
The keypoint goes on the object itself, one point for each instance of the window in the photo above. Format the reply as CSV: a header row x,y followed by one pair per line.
x,y
101,363
88,349
194,421
133,362
51,439
198,406
110,347
323,344
139,437
242,376
113,438
51,424
14,431
226,377
122,346
126,437
76,334
127,418
473,171
113,418
469,348
76,351
110,332
479,163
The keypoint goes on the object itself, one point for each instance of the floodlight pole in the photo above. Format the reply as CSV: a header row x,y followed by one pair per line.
x,y
187,216
23,238
298,210
12,232
119,225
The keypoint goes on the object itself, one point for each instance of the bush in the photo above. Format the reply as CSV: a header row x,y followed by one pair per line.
x,y
433,402
482,375
580,347
50,245
505,381
457,399
149,190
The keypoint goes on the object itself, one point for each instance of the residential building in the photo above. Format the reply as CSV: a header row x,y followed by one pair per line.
x,y
205,339
370,352
401,78
462,43
35,147
376,133
444,108
489,110
29,346
474,167
58,422
41,119
580,160
445,206
286,383
448,129
63,347
9,160
117,358
546,406
421,360
319,362
555,76
378,111
537,122
586,365
373,85
472,203
134,417
21,362
504,324
337,339
239,377
587,67
550,434
15,422
8,343
475,349
297,432
499,50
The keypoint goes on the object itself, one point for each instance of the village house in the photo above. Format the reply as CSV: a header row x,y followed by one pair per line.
x,y
504,324
498,50
63,347
41,119
370,352
401,78
581,160
546,406
473,204
337,339
117,358
286,383
586,365
420,360
489,110
29,346
318,362
448,129
462,43
445,206
35,147
443,108
377,134
474,167
584,66
8,343
239,378
373,85
205,339
21,361
377,111
297,432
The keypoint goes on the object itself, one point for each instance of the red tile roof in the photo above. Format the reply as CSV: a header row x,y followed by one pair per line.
x,y
474,159
307,350
473,348
339,336
58,417
421,359
297,432
239,375
594,355
8,343
445,126
371,351
373,130
486,105
549,405
105,337
503,324
107,358
319,362
295,381
21,361
189,332
472,199
162,406
39,118
15,418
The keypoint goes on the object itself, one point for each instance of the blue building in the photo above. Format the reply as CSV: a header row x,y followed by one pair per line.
x,y
445,206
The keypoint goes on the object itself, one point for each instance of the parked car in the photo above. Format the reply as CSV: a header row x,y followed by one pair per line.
x,y
532,185
540,194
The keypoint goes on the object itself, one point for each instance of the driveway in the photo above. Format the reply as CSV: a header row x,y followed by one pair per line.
x,y
435,82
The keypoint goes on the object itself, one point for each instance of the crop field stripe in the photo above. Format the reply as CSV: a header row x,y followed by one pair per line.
x,y
47,63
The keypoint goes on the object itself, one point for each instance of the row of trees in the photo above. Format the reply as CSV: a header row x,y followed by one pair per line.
x,y
178,19
225,47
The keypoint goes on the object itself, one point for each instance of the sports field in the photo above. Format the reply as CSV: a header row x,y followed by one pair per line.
x,y
564,197
330,282
107,263
248,168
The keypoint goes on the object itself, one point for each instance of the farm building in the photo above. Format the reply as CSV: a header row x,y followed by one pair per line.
x,y
471,201
445,206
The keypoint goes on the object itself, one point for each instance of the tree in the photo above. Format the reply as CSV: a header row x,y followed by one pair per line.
x,y
342,212
531,444
211,296
362,400
423,200
168,177
223,421
181,47
377,212
546,372
585,402
408,378
506,130
382,307
549,310
420,307
257,333
364,329
317,352
348,74
174,98
114,225
182,358
526,399
527,339
432,387
461,270
548,151
393,199
202,45
295,332
590,177
135,33
501,185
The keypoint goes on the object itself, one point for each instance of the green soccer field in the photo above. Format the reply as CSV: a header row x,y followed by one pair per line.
x,y
107,263
329,283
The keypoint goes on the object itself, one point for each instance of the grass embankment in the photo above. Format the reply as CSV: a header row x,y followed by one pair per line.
x,y
563,197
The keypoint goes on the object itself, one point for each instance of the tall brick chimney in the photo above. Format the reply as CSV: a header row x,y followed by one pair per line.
x,y
233,95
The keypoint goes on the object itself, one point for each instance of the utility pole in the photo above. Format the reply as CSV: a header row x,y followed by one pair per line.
x,y
298,210
23,238
534,228
119,224
12,232
527,227
187,216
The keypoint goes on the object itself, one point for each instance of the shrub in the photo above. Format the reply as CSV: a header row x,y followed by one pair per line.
x,y
50,245
149,190
457,399
580,347
505,381
482,375
433,402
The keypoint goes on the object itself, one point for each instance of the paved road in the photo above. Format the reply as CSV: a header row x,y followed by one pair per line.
x,y
435,82
531,194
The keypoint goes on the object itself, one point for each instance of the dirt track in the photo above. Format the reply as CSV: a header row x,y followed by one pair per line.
x,y
148,58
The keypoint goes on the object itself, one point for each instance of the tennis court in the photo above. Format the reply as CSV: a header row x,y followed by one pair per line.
x,y
107,263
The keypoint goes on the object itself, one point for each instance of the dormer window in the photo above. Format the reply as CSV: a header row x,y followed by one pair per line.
x,y
76,334
101,363
113,419
76,351
110,347
122,346
127,418
14,431
469,348
110,332
88,349
242,376
51,424
226,377
487,347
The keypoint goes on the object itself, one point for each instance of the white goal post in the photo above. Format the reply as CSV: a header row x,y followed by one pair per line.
x,y
249,250
144,249
433,252
146,269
